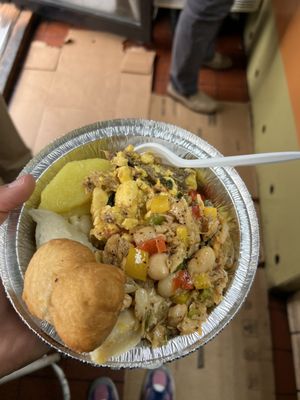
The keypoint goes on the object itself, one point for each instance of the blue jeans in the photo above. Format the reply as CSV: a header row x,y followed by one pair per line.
x,y
194,41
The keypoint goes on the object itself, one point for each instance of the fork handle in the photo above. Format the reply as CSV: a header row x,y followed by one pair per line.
x,y
247,159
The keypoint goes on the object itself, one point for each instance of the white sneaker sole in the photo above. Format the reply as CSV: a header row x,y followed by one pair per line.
x,y
183,100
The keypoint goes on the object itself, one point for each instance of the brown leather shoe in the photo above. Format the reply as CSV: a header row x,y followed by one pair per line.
x,y
219,62
199,102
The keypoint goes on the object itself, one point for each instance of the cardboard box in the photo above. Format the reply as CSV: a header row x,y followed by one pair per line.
x,y
91,78
42,57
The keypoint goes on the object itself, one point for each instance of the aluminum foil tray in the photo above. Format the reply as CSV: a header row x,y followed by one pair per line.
x,y
225,186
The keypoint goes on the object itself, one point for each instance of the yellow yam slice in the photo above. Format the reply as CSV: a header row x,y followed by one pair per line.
x,y
66,192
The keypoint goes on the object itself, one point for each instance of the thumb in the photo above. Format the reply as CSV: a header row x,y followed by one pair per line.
x,y
14,194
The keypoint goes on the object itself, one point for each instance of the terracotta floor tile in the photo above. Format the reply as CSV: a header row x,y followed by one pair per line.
x,y
162,69
280,329
57,28
162,33
208,77
33,388
277,302
233,78
160,87
284,372
10,390
230,44
226,93
40,31
52,33
55,41
47,372
211,90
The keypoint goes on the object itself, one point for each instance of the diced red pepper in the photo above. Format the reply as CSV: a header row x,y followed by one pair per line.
x,y
196,211
161,245
152,246
183,280
193,194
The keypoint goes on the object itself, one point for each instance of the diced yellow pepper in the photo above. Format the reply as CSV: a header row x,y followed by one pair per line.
x,y
210,212
160,204
136,265
181,298
182,234
201,281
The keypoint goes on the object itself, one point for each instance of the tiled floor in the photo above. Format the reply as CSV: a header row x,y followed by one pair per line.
x,y
44,384
229,86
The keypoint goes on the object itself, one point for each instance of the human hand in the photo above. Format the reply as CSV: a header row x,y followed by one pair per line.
x,y
18,345
14,194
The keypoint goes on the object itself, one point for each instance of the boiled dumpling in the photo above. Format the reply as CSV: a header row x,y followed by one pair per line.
x,y
53,226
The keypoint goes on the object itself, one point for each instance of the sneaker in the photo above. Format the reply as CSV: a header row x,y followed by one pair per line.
x,y
199,102
158,385
219,62
103,389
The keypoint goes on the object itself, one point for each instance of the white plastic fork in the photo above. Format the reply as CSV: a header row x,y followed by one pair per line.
x,y
171,158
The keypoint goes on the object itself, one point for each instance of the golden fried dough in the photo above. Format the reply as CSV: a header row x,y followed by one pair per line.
x,y
85,304
47,263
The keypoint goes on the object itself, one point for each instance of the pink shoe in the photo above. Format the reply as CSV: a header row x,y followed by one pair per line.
x,y
158,385
103,389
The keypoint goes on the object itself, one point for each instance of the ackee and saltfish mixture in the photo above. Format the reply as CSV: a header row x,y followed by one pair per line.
x,y
172,242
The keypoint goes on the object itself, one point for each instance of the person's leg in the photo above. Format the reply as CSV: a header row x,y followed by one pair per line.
x,y
158,385
195,33
13,153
